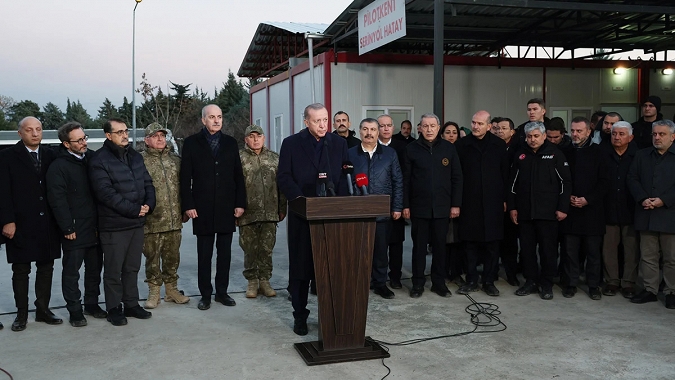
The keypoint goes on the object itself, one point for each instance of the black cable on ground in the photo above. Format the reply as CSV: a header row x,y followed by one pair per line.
x,y
7,373
484,316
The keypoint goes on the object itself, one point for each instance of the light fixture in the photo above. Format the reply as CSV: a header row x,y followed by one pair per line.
x,y
667,71
619,70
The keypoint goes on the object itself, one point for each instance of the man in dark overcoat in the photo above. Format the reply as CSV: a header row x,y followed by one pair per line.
x,y
485,166
302,157
72,202
28,226
213,195
584,226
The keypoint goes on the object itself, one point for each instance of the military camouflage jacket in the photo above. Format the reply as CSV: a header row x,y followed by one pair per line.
x,y
264,201
164,168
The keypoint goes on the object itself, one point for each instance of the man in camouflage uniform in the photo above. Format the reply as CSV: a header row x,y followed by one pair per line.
x,y
163,226
265,207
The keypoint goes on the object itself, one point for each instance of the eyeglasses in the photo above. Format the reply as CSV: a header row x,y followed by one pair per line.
x,y
121,132
80,141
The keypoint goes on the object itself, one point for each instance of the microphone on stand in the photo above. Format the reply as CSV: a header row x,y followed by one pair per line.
x,y
348,170
331,188
362,183
323,182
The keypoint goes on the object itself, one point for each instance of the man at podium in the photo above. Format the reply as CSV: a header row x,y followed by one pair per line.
x,y
310,162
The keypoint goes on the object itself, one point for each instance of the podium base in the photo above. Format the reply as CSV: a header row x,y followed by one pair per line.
x,y
313,354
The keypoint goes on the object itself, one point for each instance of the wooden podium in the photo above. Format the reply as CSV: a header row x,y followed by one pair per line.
x,y
343,236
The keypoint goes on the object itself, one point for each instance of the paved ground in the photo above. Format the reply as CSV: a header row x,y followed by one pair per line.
x,y
561,339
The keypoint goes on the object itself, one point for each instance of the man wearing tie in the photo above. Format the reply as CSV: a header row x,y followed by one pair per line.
x,y
28,226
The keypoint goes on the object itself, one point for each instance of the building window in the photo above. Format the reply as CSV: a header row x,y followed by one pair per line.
x,y
397,113
278,134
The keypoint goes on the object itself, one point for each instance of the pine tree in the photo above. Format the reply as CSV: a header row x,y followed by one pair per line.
x,y
53,116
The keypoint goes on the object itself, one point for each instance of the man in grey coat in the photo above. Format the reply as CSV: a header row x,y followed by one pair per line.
x,y
652,184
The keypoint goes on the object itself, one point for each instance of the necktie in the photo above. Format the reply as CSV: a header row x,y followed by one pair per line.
x,y
36,160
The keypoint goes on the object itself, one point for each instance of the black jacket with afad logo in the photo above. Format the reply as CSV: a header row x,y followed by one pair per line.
x,y
540,183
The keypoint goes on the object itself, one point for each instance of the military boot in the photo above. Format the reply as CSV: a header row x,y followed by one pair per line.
x,y
174,295
252,289
266,289
153,297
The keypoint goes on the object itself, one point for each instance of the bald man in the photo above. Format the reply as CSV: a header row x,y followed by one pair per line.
x,y
28,226
483,157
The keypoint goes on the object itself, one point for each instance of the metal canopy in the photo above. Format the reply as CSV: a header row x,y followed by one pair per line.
x,y
273,44
485,27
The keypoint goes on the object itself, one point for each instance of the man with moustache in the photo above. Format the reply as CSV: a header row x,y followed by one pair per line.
x,y
484,161
608,120
342,125
265,208
619,215
580,130
213,195
162,229
539,198
125,194
302,157
652,184
380,164
74,208
28,226
397,235
432,192
405,134
596,126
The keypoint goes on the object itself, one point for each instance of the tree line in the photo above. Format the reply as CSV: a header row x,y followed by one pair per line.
x,y
178,108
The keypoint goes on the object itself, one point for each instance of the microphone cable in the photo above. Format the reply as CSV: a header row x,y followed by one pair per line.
x,y
484,318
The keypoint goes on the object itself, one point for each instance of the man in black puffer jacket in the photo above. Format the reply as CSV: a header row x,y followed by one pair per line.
x,y
380,164
74,209
125,194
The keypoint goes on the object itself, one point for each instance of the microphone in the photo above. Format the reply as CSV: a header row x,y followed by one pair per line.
x,y
329,175
331,188
323,182
348,170
362,183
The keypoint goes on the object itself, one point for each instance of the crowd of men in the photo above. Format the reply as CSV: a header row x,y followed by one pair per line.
x,y
599,201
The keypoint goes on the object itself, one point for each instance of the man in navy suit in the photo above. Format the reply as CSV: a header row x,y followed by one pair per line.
x,y
303,156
